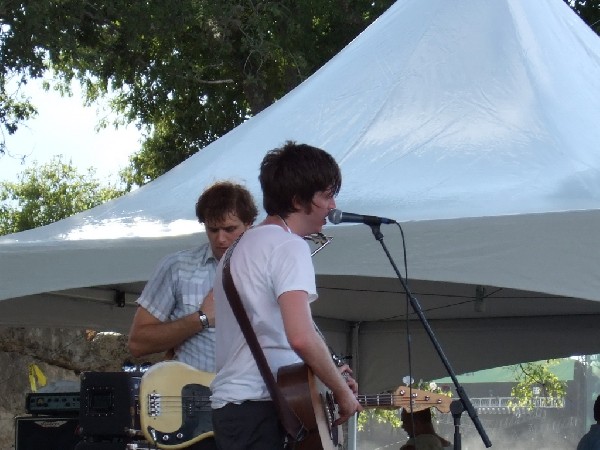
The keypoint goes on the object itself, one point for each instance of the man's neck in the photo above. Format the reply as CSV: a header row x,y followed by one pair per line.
x,y
288,223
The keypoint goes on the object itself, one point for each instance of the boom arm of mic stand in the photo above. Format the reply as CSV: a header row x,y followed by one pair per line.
x,y
468,406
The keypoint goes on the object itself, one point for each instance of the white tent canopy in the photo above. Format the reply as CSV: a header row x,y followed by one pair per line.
x,y
473,124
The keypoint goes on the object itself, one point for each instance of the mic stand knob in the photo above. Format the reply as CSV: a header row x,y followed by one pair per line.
x,y
376,229
457,408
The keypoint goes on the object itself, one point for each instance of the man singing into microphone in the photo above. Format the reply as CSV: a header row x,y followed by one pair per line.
x,y
272,270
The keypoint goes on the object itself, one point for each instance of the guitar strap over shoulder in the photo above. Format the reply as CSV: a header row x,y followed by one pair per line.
x,y
291,423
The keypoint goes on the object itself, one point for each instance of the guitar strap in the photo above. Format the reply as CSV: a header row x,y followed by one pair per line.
x,y
291,423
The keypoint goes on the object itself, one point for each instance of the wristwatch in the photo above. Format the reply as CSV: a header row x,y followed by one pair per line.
x,y
203,320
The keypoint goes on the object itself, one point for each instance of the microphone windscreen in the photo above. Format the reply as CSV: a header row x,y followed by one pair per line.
x,y
335,216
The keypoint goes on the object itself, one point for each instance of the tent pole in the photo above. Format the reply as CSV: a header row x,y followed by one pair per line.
x,y
353,422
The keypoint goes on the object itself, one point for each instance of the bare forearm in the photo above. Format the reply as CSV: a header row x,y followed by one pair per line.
x,y
316,355
149,338
305,341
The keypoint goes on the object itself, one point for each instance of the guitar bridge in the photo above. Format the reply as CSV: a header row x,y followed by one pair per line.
x,y
153,404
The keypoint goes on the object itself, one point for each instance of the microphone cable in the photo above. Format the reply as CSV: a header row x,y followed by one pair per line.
x,y
407,322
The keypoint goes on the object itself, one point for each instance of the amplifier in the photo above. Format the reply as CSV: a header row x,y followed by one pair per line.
x,y
52,403
109,404
46,433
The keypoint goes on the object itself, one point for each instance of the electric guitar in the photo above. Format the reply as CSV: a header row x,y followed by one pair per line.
x,y
174,404
315,406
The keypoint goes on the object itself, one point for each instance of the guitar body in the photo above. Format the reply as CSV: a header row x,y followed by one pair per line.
x,y
174,404
313,403
315,406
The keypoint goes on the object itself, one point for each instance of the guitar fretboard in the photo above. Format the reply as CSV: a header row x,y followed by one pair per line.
x,y
405,398
376,400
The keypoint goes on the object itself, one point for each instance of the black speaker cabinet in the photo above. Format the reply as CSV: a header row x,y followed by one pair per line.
x,y
46,433
108,404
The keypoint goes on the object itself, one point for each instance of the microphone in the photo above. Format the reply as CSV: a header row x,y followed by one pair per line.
x,y
336,216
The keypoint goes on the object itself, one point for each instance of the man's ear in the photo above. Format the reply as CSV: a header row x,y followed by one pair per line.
x,y
296,203
299,205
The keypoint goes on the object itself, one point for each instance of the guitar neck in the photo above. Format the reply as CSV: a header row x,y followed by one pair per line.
x,y
405,397
376,401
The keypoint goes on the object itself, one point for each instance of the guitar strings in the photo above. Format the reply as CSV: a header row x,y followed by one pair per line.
x,y
178,402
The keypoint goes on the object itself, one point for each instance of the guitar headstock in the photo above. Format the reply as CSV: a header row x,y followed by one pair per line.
x,y
404,397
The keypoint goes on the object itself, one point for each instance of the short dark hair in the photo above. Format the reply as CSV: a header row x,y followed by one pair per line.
x,y
296,172
597,409
222,198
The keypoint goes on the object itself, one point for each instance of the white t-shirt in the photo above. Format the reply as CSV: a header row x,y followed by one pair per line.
x,y
267,262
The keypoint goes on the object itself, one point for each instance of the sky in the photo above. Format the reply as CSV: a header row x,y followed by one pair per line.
x,y
65,127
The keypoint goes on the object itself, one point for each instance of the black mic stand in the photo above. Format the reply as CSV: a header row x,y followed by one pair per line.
x,y
464,399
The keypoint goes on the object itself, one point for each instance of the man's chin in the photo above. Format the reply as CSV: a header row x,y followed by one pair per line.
x,y
318,230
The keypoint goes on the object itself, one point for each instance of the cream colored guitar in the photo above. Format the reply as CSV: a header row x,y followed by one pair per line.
x,y
174,403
